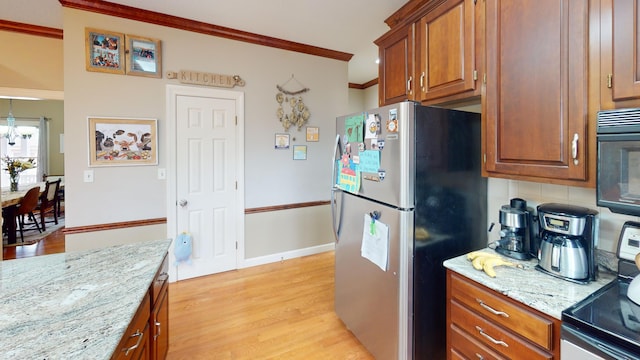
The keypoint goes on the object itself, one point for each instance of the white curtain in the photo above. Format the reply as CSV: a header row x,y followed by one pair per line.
x,y
43,150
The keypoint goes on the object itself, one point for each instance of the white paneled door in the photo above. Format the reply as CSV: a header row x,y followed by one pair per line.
x,y
206,182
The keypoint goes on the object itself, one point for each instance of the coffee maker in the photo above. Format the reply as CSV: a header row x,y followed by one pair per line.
x,y
517,232
568,240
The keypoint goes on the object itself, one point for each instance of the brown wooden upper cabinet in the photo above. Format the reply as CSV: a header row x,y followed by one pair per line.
x,y
434,55
620,24
446,48
395,74
535,109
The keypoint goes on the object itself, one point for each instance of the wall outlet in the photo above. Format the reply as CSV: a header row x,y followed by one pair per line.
x,y
162,174
88,176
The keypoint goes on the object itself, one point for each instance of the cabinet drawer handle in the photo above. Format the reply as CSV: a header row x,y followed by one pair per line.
x,y
139,335
492,310
497,342
162,277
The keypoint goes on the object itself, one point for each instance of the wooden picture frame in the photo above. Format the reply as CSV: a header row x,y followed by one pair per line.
x,y
122,141
144,56
104,51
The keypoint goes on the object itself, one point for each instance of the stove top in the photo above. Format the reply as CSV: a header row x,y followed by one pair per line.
x,y
608,314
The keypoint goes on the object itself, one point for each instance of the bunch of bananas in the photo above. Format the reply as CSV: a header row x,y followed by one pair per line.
x,y
487,261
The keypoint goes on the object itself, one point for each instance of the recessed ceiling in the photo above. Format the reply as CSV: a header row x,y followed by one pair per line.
x,y
349,26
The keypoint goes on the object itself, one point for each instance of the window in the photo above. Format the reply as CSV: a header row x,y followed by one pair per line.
x,y
26,147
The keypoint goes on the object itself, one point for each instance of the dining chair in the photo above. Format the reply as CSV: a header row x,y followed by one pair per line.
x,y
26,207
48,202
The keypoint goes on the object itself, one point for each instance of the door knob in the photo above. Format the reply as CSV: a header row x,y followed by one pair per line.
x,y
182,203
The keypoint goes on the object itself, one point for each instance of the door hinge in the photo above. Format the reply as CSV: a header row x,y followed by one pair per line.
x,y
236,120
475,75
610,81
236,245
236,185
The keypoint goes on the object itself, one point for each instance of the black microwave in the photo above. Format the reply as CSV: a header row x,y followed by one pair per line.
x,y
618,166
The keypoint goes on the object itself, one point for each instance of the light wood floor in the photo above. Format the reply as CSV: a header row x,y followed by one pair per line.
x,y
52,244
276,311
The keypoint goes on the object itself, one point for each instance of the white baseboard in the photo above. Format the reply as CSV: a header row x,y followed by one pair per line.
x,y
262,260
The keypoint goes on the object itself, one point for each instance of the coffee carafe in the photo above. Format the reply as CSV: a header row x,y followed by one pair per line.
x,y
517,232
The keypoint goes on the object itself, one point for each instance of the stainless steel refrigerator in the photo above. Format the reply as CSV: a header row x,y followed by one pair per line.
x,y
407,194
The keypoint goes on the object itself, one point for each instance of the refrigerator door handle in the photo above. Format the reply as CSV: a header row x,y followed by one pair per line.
x,y
336,223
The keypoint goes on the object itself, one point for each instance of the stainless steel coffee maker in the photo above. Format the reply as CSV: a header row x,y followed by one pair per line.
x,y
517,232
568,241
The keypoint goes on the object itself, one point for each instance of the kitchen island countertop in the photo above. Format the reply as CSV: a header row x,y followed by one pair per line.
x,y
74,305
545,293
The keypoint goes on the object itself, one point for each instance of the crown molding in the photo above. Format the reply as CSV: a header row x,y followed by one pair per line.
x,y
366,85
44,31
152,17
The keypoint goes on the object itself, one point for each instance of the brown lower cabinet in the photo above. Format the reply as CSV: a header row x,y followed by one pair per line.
x,y
147,336
483,324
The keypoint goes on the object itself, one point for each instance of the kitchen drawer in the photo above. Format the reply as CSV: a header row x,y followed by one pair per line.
x,y
160,280
135,341
516,318
495,337
463,346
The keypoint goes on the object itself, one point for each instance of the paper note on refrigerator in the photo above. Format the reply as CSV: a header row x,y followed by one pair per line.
x,y
375,242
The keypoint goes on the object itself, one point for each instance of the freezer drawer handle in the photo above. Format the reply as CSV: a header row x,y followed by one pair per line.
x,y
492,310
497,342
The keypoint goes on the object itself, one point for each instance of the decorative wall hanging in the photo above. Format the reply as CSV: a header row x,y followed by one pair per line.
x,y
120,142
291,109
105,51
144,56
207,79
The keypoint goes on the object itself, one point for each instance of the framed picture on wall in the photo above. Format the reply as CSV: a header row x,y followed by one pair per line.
x,y
282,141
299,152
144,56
122,141
313,133
104,51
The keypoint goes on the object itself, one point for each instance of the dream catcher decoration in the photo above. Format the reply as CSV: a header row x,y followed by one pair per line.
x,y
291,108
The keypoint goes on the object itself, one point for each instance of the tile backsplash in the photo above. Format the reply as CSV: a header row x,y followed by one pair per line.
x,y
500,191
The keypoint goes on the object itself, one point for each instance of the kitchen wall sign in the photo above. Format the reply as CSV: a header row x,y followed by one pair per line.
x,y
206,79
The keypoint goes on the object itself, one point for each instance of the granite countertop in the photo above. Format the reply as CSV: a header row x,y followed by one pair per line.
x,y
529,286
74,305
